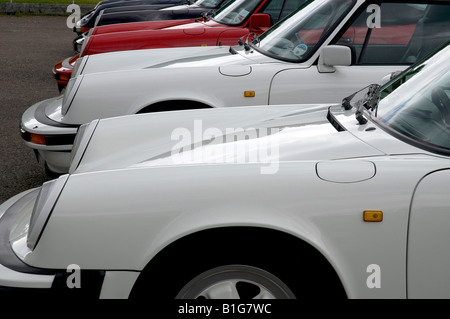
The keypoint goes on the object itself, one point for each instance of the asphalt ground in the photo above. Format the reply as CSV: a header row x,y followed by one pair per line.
x,y
29,47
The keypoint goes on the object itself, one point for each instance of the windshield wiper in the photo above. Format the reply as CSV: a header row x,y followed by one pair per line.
x,y
372,97
369,102
245,44
207,15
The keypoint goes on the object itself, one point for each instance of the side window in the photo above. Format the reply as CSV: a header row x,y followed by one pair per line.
x,y
278,9
404,34
290,6
273,9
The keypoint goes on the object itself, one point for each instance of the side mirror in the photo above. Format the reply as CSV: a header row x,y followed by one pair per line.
x,y
334,55
260,20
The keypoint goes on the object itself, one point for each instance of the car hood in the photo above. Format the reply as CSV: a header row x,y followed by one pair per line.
x,y
138,26
261,134
157,58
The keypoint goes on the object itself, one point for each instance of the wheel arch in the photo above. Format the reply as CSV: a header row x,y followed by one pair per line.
x,y
173,105
209,248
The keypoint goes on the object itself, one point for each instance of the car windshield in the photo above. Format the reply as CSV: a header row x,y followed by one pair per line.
x,y
415,106
302,32
208,3
235,12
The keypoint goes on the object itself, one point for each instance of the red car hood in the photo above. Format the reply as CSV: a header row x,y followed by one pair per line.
x,y
135,26
186,35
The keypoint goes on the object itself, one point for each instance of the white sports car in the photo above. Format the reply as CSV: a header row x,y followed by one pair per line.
x,y
292,201
327,49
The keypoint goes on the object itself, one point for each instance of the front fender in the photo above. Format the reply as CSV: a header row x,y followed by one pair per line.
x,y
110,94
152,208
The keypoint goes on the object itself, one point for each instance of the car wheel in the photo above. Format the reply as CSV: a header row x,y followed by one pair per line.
x,y
234,262
235,282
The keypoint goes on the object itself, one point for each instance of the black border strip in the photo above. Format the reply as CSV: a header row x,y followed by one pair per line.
x,y
41,117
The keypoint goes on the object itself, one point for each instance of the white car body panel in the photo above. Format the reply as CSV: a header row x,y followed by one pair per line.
x,y
128,82
428,248
325,224
273,83
306,85
140,183
105,154
118,284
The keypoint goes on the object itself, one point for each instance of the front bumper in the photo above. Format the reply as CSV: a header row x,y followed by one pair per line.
x,y
52,141
20,279
13,272
62,71
77,29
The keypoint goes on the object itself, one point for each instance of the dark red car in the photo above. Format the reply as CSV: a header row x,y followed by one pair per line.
x,y
235,20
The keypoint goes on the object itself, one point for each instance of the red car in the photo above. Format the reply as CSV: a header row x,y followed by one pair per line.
x,y
235,20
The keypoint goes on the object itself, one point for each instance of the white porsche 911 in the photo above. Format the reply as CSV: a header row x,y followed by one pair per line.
x,y
327,49
292,201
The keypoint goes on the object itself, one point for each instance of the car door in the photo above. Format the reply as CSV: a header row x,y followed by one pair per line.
x,y
428,258
383,37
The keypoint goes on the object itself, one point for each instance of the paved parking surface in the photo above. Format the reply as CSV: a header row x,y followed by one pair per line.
x,y
29,47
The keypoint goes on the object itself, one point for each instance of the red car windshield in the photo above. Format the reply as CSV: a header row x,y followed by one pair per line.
x,y
235,12
208,3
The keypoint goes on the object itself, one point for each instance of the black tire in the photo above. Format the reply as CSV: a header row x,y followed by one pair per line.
x,y
235,282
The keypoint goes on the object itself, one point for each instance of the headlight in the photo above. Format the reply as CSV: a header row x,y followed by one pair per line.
x,y
69,94
45,202
80,144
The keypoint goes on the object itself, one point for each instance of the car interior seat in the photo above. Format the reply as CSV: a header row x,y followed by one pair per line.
x,y
432,31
